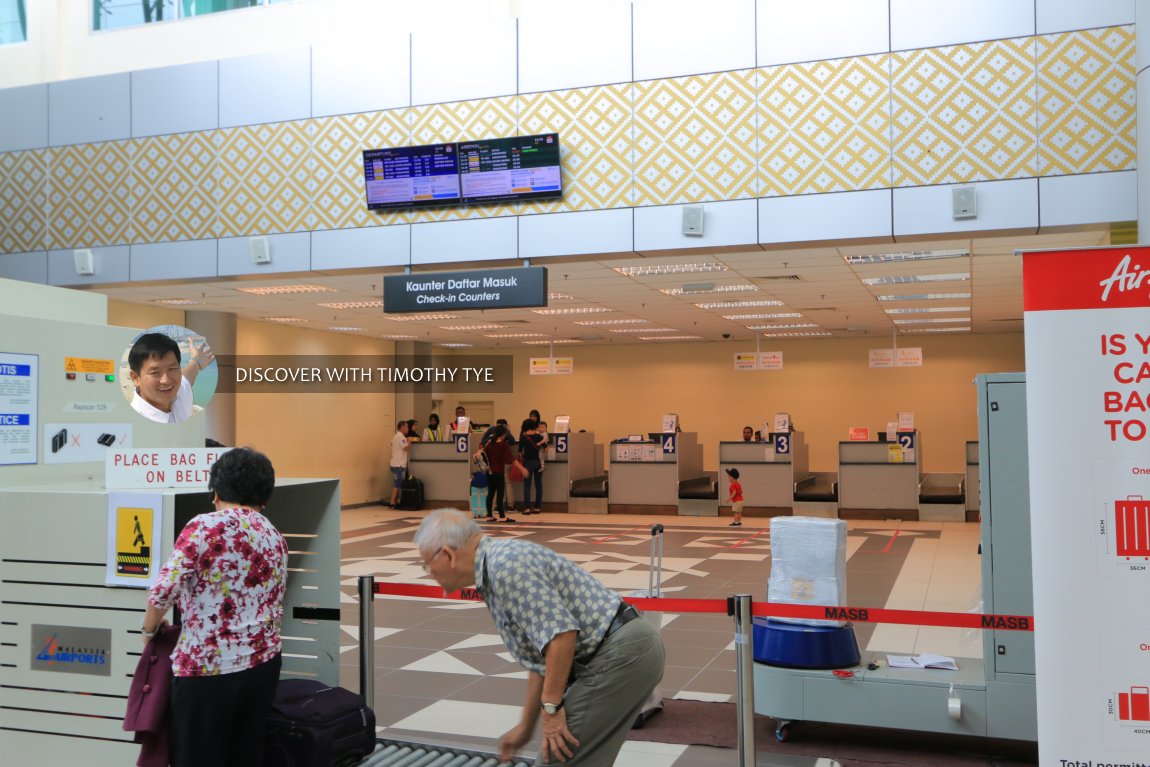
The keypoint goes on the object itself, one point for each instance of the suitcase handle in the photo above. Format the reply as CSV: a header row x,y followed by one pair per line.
x,y
1134,498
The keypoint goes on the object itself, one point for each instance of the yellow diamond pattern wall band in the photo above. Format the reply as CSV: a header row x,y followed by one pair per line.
x,y
1047,105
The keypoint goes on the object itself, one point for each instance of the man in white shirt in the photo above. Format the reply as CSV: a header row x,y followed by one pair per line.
x,y
164,389
399,447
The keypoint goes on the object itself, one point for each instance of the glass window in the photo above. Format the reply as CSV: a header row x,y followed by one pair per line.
x,y
13,22
116,14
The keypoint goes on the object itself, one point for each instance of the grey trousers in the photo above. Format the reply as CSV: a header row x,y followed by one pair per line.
x,y
609,692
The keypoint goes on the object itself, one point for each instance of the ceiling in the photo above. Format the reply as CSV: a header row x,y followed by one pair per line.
x,y
805,291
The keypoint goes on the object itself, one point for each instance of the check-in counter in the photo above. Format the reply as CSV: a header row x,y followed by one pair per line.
x,y
972,486
768,471
645,479
444,469
879,479
570,457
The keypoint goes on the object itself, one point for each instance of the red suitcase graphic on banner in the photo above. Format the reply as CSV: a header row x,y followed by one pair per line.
x,y
1134,706
1132,526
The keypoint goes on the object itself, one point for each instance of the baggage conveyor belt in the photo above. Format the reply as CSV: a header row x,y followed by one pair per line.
x,y
399,753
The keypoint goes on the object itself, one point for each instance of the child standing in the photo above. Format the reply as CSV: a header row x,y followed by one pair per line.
x,y
736,494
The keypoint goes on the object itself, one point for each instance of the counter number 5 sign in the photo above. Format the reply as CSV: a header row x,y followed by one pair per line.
x,y
560,443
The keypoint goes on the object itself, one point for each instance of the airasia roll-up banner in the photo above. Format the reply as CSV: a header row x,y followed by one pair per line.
x,y
1087,320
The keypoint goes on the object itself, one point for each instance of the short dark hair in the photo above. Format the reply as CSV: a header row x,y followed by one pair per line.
x,y
433,417
529,423
535,414
244,476
400,424
151,345
501,421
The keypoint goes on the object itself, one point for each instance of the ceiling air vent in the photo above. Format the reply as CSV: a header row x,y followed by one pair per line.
x,y
780,278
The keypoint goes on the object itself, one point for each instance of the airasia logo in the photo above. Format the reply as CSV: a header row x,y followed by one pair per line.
x,y
1124,277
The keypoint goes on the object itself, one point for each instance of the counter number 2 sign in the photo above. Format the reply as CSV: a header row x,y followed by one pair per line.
x,y
560,443
906,440
668,444
461,443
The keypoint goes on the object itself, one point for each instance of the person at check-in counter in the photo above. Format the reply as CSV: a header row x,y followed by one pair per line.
x,y
163,388
433,432
592,661
398,466
749,434
412,430
453,427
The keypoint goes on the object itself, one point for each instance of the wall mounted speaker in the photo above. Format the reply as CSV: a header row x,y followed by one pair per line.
x,y
85,262
260,249
964,202
693,221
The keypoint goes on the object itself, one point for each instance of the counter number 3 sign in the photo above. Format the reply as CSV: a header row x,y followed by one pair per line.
x,y
668,444
560,443
782,444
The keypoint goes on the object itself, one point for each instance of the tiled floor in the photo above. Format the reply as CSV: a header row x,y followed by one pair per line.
x,y
442,674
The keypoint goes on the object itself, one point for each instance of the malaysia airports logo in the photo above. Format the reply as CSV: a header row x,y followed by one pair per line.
x,y
71,650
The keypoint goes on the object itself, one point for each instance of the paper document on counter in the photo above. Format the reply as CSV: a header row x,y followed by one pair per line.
x,y
922,660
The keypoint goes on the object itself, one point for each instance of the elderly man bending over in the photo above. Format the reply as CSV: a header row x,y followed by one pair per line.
x,y
592,663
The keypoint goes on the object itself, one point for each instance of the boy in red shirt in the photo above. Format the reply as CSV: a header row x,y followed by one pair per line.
x,y
736,494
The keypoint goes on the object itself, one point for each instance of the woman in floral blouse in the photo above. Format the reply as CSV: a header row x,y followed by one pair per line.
x,y
227,575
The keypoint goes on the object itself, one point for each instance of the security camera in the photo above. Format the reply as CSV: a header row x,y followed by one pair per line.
x,y
726,336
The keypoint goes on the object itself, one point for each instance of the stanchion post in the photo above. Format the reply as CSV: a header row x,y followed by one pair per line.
x,y
367,639
739,606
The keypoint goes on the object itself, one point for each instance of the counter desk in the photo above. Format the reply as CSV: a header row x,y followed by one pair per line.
x,y
768,471
879,480
645,476
445,470
570,458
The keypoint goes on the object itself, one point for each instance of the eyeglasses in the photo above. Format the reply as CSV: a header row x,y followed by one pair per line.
x,y
427,563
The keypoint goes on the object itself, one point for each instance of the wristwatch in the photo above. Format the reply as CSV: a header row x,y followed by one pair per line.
x,y
552,708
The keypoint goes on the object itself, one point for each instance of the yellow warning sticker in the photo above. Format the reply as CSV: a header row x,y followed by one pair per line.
x,y
133,547
87,365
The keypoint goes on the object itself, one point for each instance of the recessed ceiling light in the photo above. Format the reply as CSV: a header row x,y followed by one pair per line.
x,y
740,304
692,290
933,321
670,338
798,334
611,322
927,309
575,310
415,317
644,330
177,301
400,338
275,290
890,258
488,326
354,305
559,297
934,330
347,328
455,346
653,269
282,319
924,297
774,316
556,341
917,278
792,326
513,335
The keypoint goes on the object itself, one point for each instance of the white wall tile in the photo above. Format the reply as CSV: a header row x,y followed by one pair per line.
x,y
575,49
1001,205
1092,198
357,248
475,239
684,37
176,99
1142,131
23,118
571,234
814,217
27,267
931,23
464,61
724,223
173,260
362,77
1068,15
90,109
290,253
787,30
111,266
270,87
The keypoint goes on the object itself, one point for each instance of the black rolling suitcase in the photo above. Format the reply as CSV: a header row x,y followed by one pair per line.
x,y
411,494
314,725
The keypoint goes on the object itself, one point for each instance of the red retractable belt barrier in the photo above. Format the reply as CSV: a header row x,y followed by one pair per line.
x,y
768,609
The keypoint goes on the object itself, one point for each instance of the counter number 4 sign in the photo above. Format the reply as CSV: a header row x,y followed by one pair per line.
x,y
669,444
560,443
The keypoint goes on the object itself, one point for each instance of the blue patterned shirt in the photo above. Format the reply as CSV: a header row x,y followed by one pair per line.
x,y
535,594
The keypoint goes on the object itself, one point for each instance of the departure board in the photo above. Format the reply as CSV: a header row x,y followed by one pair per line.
x,y
519,168
407,177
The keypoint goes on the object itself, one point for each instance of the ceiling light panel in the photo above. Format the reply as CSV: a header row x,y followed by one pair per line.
x,y
574,310
489,326
774,316
917,278
611,322
178,301
280,290
934,330
739,304
513,335
648,270
893,258
927,309
455,346
688,290
557,342
282,319
798,334
347,329
354,305
416,317
933,321
559,297
400,338
670,338
793,326
644,330
925,297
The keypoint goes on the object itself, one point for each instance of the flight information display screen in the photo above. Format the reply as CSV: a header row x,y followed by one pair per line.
x,y
408,177
519,168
